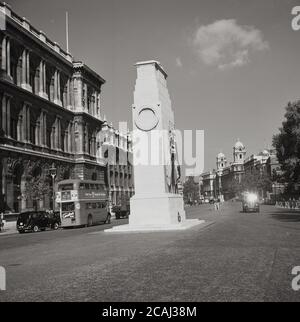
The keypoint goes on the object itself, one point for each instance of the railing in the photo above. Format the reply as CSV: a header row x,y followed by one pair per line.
x,y
291,204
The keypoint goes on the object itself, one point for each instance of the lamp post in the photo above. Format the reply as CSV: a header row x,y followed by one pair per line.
x,y
52,172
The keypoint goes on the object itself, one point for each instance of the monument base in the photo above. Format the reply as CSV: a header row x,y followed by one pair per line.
x,y
163,212
151,228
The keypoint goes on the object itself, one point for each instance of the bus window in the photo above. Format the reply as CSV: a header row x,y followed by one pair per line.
x,y
81,186
94,205
87,186
64,187
67,206
92,186
97,187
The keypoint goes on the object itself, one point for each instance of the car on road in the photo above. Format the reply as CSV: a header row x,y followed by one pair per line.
x,y
37,221
122,210
250,202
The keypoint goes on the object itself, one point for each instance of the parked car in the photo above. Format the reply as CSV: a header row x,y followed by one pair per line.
x,y
37,220
122,210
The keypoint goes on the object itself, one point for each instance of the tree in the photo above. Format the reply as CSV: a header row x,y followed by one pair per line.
x,y
235,188
190,190
256,181
36,188
287,145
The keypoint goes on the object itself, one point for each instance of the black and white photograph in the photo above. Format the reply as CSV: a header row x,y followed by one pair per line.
x,y
149,155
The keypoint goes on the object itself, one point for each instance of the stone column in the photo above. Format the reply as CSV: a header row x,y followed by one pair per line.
x,y
4,117
8,98
73,138
42,80
45,76
58,140
86,139
3,62
85,97
27,68
36,132
28,121
68,94
58,86
72,99
41,131
25,82
70,148
57,99
8,57
44,128
24,67
20,127
55,86
98,106
24,123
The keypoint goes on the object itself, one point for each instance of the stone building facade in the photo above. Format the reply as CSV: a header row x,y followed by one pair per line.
x,y
218,183
116,149
51,114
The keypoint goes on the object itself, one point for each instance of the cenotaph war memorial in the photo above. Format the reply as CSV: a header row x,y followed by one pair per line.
x,y
156,205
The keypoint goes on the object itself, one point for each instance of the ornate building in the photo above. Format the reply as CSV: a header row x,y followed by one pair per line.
x,y
116,149
219,182
50,115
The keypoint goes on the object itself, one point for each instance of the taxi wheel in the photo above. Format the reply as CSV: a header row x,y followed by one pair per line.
x,y
35,229
55,226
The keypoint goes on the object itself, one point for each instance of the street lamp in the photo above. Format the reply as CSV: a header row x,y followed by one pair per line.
x,y
52,172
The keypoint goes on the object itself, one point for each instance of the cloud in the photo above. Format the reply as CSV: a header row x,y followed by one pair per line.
x,y
225,44
178,62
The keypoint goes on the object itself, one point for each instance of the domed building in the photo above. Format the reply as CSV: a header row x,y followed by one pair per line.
x,y
220,182
225,173
239,152
221,161
221,165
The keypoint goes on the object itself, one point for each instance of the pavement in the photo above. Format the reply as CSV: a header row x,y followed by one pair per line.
x,y
9,228
233,257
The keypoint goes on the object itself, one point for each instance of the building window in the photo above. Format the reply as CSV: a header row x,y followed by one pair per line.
x,y
48,143
32,133
13,128
62,142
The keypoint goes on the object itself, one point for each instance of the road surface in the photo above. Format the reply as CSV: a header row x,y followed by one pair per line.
x,y
234,257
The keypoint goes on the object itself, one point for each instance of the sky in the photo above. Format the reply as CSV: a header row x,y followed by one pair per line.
x,y
233,65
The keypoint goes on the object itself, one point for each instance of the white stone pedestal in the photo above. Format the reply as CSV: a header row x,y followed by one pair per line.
x,y
150,213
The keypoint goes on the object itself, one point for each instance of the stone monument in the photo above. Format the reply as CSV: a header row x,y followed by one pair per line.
x,y
156,205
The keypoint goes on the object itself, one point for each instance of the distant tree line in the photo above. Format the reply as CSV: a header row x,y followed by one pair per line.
x,y
287,145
